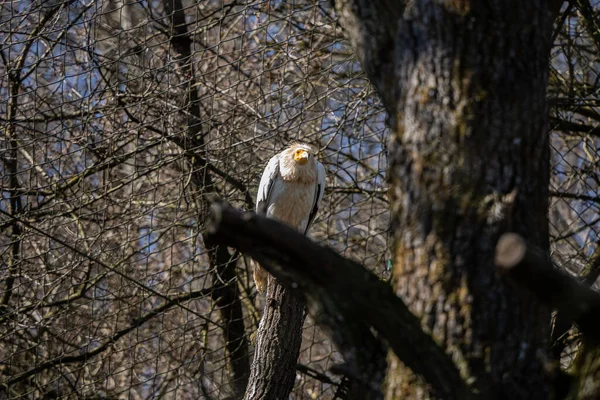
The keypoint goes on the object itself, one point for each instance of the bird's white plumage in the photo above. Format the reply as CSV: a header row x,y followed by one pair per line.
x,y
290,190
291,201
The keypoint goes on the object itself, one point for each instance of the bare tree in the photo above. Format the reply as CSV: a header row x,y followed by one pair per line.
x,y
118,117
469,160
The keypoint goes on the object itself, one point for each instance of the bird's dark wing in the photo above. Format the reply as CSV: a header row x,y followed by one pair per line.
x,y
319,191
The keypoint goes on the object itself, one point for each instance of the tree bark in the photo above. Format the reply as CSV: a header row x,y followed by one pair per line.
x,y
531,269
463,144
278,341
469,159
587,383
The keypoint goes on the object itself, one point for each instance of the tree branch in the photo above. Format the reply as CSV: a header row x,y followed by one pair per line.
x,y
104,265
313,373
87,355
226,295
575,196
558,124
562,325
340,294
530,268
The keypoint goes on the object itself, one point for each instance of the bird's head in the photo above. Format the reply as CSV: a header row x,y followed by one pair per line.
x,y
302,153
299,162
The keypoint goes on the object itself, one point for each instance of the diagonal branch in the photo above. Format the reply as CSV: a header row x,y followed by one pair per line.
x,y
102,264
562,325
528,266
558,124
340,293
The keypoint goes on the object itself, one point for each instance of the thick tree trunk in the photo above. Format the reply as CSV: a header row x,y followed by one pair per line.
x,y
469,160
278,341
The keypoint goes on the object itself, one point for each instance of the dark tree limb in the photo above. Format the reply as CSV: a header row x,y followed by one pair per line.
x,y
575,196
344,297
562,325
568,126
531,269
313,373
227,294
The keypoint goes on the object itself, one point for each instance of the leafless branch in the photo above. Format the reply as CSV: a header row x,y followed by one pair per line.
x,y
531,269
89,354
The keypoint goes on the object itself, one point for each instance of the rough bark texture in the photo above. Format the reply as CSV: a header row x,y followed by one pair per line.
x,y
278,341
471,130
587,384
469,160
531,269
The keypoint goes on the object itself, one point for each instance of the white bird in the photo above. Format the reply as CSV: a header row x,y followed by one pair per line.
x,y
290,190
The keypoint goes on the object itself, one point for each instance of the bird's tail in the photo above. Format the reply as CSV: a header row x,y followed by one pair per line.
x,y
261,277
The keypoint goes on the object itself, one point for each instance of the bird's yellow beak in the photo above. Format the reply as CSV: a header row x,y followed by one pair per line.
x,y
301,156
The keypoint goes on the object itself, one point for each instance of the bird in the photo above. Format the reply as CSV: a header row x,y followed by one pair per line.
x,y
291,189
